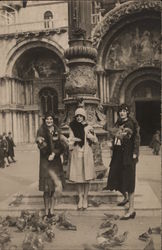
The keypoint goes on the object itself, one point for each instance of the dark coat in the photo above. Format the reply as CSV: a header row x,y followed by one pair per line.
x,y
52,143
122,166
130,145
1,154
11,146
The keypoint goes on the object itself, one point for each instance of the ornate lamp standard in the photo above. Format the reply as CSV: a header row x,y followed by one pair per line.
x,y
81,81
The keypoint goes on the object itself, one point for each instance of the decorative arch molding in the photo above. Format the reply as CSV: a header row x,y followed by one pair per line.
x,y
23,46
130,79
119,17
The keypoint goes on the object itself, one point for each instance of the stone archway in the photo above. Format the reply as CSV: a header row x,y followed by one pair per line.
x,y
26,45
32,66
141,89
127,40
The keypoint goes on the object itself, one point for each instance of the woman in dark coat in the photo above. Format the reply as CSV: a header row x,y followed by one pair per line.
x,y
124,158
51,170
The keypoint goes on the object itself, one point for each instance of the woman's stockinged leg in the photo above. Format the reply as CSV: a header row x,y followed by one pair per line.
x,y
131,214
46,202
124,201
85,197
80,195
131,202
51,203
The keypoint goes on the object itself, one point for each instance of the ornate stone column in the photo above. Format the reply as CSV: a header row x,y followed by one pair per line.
x,y
81,81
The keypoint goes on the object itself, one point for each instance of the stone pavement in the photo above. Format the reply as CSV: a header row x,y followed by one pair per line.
x,y
22,178
88,228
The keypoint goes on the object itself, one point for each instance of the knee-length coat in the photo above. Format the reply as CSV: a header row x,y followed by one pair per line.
x,y
81,166
51,143
122,166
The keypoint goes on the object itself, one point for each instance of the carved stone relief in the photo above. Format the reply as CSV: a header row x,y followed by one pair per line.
x,y
81,80
134,46
124,11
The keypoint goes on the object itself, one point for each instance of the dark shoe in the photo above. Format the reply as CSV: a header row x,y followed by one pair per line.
x,y
128,216
49,216
122,203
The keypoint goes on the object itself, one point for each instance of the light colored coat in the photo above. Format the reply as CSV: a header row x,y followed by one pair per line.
x,y
81,159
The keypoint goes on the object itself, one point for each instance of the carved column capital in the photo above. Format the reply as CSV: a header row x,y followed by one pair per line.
x,y
81,52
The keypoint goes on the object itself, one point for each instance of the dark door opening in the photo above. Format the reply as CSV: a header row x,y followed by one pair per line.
x,y
148,117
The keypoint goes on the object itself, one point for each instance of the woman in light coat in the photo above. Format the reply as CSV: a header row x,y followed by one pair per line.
x,y
81,157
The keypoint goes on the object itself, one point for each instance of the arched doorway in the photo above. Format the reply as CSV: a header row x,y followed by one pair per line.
x,y
128,44
141,89
36,68
146,97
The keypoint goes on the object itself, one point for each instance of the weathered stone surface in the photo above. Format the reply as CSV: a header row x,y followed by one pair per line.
x,y
81,80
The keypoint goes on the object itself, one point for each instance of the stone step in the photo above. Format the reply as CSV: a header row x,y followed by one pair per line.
x,y
70,197
95,185
146,202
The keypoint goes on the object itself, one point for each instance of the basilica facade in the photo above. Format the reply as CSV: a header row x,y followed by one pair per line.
x,y
33,67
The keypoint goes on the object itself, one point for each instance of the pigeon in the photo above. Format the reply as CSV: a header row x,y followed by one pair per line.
x,y
21,224
145,236
64,223
110,232
107,244
106,224
50,234
112,216
96,203
120,239
4,238
101,175
101,240
32,241
11,221
150,245
17,201
154,230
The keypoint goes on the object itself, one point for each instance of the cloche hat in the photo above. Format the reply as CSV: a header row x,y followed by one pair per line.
x,y
80,111
124,106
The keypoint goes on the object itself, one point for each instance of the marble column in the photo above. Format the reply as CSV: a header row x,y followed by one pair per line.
x,y
30,127
8,121
15,130
36,122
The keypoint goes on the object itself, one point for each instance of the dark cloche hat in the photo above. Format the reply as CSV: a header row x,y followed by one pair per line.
x,y
49,113
124,106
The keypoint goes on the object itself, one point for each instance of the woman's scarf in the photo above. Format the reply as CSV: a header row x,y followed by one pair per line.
x,y
78,131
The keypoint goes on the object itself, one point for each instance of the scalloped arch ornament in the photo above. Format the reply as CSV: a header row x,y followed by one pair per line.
x,y
118,13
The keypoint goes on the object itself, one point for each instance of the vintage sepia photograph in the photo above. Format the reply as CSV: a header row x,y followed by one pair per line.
x,y
80,125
